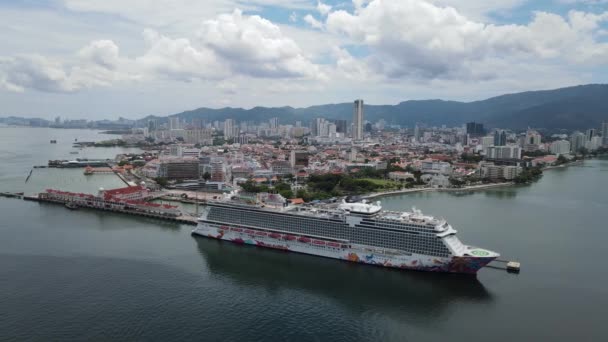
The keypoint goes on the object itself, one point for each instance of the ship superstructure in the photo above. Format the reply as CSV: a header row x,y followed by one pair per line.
x,y
359,232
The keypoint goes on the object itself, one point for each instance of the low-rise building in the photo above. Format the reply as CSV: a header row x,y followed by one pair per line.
x,y
400,175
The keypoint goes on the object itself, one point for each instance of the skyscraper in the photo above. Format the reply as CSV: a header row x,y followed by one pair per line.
x,y
605,133
340,126
274,123
500,138
475,129
358,120
417,133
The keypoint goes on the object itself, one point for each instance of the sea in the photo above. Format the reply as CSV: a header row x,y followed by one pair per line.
x,y
86,275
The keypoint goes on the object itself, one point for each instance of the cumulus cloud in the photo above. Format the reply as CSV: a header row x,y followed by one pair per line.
x,y
97,65
178,59
254,46
314,23
230,45
323,9
101,52
411,38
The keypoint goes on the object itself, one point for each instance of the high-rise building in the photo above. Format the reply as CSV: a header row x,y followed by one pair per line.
x,y
488,141
590,133
533,140
417,133
229,129
578,140
560,147
605,134
274,123
500,138
475,129
151,126
340,126
358,120
174,123
218,174
503,152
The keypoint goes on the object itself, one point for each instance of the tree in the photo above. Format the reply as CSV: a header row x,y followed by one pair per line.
x,y
206,176
161,181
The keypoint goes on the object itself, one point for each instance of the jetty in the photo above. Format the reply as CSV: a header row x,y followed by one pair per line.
x,y
509,266
183,218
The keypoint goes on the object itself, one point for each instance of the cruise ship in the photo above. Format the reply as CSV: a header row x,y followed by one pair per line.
x,y
358,232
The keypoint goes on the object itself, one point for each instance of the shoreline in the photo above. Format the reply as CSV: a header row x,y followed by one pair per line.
x,y
468,188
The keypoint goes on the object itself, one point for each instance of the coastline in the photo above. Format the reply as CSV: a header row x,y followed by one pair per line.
x,y
467,188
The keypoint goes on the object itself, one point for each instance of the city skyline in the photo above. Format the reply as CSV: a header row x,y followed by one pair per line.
x,y
135,59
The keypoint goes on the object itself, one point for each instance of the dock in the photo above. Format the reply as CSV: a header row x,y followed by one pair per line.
x,y
18,195
510,266
183,219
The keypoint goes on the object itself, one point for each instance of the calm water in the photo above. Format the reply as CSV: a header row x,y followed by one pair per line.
x,y
83,275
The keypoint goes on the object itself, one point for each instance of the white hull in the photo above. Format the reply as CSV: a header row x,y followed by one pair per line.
x,y
343,251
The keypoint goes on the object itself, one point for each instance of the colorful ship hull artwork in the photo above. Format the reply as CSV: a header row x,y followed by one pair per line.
x,y
356,232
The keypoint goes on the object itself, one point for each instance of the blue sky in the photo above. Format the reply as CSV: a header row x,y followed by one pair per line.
x,y
104,59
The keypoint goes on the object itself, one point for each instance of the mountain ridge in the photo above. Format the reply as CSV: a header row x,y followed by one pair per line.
x,y
575,107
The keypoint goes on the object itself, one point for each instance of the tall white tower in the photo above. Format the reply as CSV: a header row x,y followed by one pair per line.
x,y
358,120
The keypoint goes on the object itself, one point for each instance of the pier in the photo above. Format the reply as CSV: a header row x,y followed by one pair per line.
x,y
183,219
509,266
18,195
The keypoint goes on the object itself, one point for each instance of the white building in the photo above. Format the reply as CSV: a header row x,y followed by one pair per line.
x,y
436,167
578,140
229,129
594,143
487,142
503,152
605,134
533,140
494,172
560,147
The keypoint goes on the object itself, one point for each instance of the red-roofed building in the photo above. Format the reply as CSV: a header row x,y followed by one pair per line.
x,y
130,193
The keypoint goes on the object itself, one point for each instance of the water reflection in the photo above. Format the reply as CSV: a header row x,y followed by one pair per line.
x,y
350,284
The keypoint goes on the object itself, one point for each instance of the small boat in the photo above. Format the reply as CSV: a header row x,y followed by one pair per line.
x,y
249,231
53,141
319,242
71,205
261,233
304,239
236,229
333,244
289,237
275,235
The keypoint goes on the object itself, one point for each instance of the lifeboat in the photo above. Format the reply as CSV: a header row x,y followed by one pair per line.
x,y
249,231
289,237
344,246
275,235
333,244
318,242
225,227
261,233
304,239
236,229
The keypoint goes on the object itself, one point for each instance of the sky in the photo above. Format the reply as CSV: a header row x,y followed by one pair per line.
x,y
97,59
